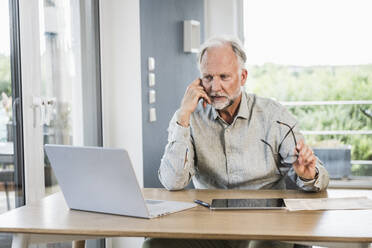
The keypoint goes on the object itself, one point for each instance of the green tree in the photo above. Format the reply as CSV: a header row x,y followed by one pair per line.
x,y
5,75
323,83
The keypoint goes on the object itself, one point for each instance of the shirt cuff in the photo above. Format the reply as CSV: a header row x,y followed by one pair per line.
x,y
311,180
310,185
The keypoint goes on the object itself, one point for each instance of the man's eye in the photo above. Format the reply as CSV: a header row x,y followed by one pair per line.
x,y
207,78
224,77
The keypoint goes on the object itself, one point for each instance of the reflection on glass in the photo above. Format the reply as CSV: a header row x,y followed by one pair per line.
x,y
7,196
7,186
69,85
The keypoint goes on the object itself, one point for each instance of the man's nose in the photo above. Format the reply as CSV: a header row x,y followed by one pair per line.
x,y
216,84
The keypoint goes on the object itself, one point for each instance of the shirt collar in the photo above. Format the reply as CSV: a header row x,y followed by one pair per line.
x,y
215,113
243,108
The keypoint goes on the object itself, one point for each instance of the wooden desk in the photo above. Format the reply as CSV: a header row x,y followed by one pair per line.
x,y
51,221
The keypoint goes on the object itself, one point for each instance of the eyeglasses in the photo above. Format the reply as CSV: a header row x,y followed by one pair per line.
x,y
289,159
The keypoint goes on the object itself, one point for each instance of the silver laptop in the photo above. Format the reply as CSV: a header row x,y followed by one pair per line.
x,y
103,180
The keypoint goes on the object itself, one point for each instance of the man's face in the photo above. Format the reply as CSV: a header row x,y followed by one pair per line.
x,y
220,76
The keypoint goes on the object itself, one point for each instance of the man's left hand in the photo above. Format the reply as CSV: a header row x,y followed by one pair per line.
x,y
305,164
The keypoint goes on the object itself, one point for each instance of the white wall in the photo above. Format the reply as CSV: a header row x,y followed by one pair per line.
x,y
223,17
121,75
121,86
121,78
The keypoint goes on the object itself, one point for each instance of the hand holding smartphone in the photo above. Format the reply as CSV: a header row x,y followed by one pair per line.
x,y
204,101
190,100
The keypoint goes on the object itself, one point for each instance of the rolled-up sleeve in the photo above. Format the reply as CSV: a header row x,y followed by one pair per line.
x,y
177,164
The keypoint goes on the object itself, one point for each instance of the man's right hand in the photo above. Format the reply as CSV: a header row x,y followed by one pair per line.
x,y
190,100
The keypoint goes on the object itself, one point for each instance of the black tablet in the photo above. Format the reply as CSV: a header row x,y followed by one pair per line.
x,y
236,204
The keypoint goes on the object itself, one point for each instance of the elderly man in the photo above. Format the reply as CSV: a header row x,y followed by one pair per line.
x,y
222,137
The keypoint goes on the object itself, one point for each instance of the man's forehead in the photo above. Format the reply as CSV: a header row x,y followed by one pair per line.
x,y
218,58
223,50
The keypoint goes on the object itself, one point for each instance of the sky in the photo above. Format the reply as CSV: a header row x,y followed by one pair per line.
x,y
308,32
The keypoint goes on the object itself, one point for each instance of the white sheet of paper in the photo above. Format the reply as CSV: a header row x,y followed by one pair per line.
x,y
328,203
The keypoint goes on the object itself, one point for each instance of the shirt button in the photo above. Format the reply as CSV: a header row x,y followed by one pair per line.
x,y
227,130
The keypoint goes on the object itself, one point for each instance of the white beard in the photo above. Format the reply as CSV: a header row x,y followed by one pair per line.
x,y
222,105
228,102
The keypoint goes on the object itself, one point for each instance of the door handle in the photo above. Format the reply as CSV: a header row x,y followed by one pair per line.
x,y
15,110
36,105
42,107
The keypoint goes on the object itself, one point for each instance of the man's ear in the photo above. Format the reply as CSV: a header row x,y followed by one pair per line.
x,y
243,76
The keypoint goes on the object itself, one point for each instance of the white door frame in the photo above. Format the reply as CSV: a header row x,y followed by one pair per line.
x,y
31,85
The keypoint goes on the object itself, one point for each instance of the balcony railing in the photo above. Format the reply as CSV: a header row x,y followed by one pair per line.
x,y
335,132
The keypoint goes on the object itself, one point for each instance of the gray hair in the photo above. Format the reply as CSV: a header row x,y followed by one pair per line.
x,y
221,40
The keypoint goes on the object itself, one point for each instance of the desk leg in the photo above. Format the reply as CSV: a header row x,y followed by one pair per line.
x,y
7,195
20,240
77,244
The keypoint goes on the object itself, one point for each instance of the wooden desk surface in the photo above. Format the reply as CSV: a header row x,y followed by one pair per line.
x,y
51,216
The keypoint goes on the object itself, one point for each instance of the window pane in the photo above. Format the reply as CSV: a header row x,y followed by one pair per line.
x,y
7,197
307,55
7,163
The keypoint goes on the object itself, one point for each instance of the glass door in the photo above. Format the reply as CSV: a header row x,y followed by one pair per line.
x,y
7,164
7,197
70,80
59,45
11,140
61,97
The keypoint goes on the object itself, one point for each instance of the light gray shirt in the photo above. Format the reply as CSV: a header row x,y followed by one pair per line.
x,y
215,154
